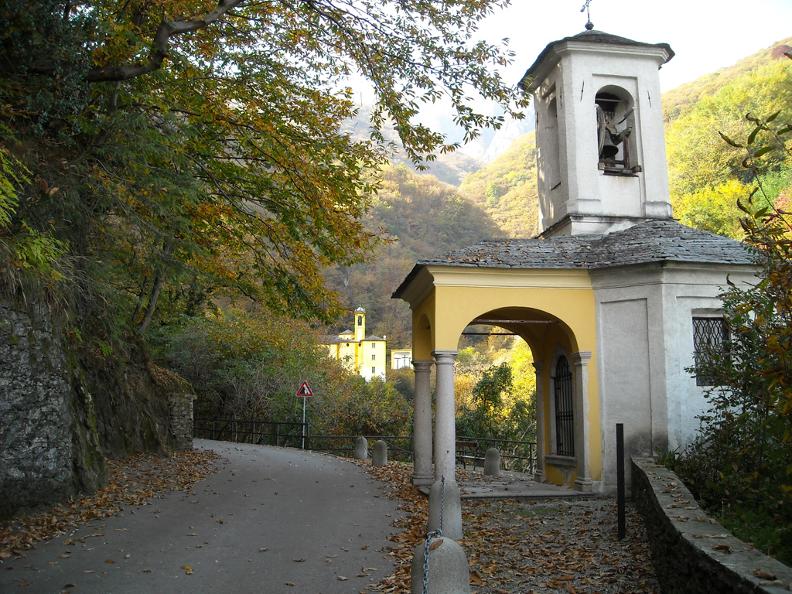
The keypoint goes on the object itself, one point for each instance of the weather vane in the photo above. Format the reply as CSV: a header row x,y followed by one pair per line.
x,y
589,24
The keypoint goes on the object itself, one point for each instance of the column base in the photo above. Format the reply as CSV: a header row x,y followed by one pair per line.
x,y
539,476
448,494
584,485
422,480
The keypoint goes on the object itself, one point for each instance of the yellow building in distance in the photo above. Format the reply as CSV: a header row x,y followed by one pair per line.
x,y
361,354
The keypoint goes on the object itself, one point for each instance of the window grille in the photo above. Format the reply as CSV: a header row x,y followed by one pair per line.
x,y
709,335
564,416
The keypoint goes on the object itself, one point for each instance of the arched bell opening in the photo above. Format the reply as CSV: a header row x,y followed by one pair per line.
x,y
616,131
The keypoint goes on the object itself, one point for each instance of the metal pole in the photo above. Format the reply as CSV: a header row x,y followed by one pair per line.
x,y
303,423
620,478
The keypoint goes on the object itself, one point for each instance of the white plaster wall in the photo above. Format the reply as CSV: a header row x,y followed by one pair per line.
x,y
689,289
645,337
632,366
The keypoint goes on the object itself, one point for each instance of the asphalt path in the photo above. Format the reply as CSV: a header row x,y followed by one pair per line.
x,y
271,520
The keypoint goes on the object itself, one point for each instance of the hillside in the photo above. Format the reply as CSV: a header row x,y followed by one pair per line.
x,y
506,188
681,99
423,217
705,174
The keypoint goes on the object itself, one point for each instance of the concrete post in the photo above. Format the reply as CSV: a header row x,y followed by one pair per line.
x,y
583,481
422,425
540,426
447,571
361,448
444,498
492,462
379,455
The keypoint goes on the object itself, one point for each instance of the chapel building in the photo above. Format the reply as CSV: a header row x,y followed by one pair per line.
x,y
614,296
360,354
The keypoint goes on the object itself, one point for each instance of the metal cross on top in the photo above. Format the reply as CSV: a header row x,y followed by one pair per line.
x,y
586,7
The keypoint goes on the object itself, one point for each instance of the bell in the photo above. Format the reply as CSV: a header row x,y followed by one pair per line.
x,y
609,150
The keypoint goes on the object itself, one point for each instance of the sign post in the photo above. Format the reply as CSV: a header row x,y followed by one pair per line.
x,y
304,392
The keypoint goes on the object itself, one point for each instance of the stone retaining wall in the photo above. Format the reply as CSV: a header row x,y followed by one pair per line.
x,y
691,552
181,420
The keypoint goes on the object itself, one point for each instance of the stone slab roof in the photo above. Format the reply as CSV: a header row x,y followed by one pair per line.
x,y
592,36
657,240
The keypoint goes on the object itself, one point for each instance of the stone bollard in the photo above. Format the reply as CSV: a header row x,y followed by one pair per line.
x,y
361,448
447,571
379,456
446,495
492,462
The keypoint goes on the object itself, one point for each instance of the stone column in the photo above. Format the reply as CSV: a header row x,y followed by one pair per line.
x,y
540,429
422,425
583,481
445,491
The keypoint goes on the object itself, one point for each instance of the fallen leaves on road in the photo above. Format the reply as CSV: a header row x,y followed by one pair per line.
x,y
548,545
131,481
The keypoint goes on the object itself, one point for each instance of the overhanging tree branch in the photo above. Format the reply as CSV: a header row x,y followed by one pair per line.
x,y
160,45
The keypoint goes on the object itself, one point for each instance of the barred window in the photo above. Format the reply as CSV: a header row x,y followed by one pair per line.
x,y
709,336
564,416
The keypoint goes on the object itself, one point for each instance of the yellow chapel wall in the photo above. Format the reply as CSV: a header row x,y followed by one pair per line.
x,y
568,296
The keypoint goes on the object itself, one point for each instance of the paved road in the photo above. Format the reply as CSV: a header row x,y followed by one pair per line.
x,y
271,521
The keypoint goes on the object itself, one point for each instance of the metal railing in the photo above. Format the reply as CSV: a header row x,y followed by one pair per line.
x,y
275,433
516,455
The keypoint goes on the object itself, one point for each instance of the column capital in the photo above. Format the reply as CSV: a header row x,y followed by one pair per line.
x,y
537,365
582,358
422,365
444,357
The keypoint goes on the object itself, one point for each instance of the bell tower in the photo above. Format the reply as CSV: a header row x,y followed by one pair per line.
x,y
599,133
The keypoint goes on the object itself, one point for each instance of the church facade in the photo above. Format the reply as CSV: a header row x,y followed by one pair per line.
x,y
614,296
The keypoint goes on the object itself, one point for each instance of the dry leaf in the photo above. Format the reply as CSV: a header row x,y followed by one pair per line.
x,y
187,569
764,575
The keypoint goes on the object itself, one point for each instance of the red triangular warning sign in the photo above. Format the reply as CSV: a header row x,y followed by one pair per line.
x,y
304,391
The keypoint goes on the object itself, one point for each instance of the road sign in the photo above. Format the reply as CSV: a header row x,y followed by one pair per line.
x,y
304,391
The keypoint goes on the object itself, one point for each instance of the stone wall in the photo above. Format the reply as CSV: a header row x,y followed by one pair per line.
x,y
62,411
45,436
181,420
691,552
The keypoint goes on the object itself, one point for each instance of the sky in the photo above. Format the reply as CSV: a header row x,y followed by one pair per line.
x,y
705,34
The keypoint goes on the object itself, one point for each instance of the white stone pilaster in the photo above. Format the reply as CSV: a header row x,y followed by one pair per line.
x,y
583,481
422,425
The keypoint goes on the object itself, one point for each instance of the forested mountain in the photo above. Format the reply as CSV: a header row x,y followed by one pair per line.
x,y
421,217
506,188
705,173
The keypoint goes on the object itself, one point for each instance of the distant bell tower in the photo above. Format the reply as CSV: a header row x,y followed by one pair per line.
x,y
360,324
599,133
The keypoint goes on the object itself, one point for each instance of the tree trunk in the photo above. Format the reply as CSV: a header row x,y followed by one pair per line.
x,y
159,279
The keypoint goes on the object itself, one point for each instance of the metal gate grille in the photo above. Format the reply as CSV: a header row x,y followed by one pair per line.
x,y
564,416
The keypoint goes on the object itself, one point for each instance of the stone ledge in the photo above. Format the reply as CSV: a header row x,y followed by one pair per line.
x,y
691,552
